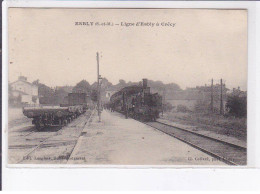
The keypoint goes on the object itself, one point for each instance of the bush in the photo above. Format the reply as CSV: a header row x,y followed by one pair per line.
x,y
237,106
167,107
182,108
201,106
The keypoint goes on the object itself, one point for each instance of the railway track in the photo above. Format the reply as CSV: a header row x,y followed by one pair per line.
x,y
227,152
79,123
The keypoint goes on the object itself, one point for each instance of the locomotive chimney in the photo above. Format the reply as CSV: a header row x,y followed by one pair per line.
x,y
145,83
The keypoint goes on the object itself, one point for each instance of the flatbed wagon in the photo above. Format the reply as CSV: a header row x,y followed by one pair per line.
x,y
48,115
52,115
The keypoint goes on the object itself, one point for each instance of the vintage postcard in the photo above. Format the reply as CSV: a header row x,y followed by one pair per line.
x,y
156,87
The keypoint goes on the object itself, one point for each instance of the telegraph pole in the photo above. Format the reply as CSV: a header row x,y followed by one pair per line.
x,y
163,100
98,90
211,103
221,97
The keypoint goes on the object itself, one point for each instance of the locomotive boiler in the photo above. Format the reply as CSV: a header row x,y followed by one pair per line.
x,y
137,102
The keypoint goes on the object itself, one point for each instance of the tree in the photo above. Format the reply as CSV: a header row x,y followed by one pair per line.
x,y
82,87
173,86
43,90
59,96
182,108
34,99
46,93
105,83
36,82
94,95
237,106
202,106
167,107
122,82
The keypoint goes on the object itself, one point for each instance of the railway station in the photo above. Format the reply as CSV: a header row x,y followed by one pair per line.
x,y
128,130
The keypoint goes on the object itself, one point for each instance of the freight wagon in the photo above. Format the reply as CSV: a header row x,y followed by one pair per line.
x,y
48,115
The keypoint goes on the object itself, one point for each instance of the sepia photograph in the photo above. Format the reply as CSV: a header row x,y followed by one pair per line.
x,y
148,87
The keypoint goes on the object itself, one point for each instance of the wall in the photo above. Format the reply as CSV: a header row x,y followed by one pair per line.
x,y
27,99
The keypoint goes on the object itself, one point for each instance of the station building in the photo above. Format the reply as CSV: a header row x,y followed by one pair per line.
x,y
24,92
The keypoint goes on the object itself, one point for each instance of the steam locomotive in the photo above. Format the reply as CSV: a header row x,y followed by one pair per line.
x,y
137,102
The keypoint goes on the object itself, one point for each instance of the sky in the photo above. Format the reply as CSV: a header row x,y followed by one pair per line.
x,y
46,44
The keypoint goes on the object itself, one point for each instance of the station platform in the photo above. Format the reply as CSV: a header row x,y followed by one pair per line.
x,y
119,141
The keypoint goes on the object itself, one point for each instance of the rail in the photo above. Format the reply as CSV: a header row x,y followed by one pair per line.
x,y
227,152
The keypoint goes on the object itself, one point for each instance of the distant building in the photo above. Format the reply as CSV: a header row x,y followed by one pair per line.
x,y
67,89
24,91
199,95
107,94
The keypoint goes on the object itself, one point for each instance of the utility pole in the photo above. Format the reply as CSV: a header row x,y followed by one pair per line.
x,y
211,102
221,97
163,100
98,90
